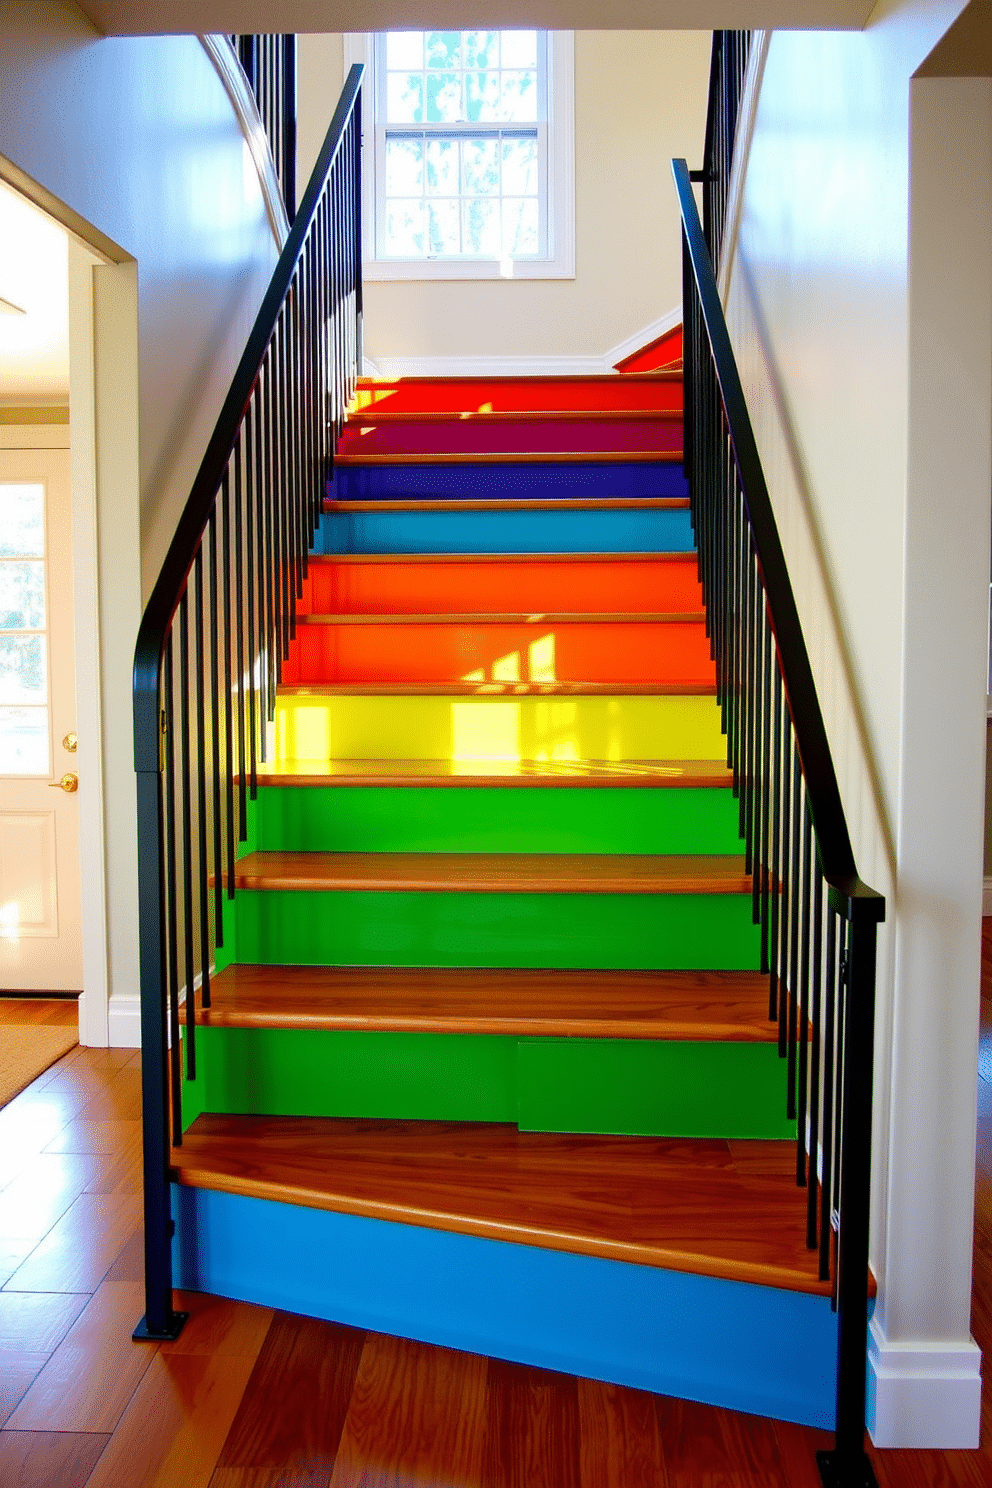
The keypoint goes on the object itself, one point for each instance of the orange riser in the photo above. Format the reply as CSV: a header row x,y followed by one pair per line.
x,y
506,395
666,653
665,585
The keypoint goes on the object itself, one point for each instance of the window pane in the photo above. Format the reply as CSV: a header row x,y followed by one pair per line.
x,y
443,224
404,167
520,225
22,596
404,98
443,104
22,521
22,669
405,50
481,97
519,48
23,741
405,229
481,49
442,168
518,99
444,48
520,167
480,167
480,228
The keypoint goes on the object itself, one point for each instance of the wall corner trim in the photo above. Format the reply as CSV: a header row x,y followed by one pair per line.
x,y
229,70
923,1394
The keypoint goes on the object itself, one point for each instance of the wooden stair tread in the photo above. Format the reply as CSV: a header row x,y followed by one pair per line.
x,y
498,689
527,773
711,1207
487,873
501,558
511,503
518,457
490,617
373,417
608,379
699,1006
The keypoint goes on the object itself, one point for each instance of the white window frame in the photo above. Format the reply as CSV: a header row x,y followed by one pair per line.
x,y
559,263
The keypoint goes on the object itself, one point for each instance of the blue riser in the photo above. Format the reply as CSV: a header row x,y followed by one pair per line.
x,y
666,531
747,1348
488,481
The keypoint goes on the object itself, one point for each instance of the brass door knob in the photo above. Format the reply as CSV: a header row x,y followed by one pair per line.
x,y
68,783
70,742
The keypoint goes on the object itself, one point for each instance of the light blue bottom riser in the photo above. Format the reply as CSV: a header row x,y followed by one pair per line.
x,y
747,1348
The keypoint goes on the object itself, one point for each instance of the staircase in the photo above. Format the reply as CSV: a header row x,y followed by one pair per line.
x,y
488,1059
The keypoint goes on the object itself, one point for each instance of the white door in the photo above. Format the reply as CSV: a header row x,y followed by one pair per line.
x,y
40,932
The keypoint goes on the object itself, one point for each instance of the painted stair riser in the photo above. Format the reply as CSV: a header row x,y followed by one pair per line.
x,y
630,1087
419,586
489,482
612,530
462,395
664,654
473,819
746,1348
316,727
687,932
511,436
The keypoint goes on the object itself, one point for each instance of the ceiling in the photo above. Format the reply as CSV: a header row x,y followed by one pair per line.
x,y
34,315
147,17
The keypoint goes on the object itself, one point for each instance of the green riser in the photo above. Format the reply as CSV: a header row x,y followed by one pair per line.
x,y
628,1087
470,819
691,932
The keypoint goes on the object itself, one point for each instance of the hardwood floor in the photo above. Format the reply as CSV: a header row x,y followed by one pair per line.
x,y
249,1398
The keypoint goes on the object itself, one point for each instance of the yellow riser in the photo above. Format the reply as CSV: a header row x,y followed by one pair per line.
x,y
481,728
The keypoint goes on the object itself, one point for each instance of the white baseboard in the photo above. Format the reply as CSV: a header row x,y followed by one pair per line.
x,y
523,366
923,1395
124,1022
987,896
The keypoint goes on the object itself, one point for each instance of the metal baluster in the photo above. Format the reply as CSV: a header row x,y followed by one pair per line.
x,y
794,922
225,528
215,737
201,786
814,1063
187,817
171,928
253,650
806,894
239,641
829,1092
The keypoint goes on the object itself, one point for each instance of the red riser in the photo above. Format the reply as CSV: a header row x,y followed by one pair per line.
x,y
508,395
492,586
657,354
473,437
673,653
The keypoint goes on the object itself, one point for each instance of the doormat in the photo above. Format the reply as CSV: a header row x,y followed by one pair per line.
x,y
26,1051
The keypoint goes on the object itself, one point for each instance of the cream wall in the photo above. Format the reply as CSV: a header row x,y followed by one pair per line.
x,y
859,308
135,146
640,98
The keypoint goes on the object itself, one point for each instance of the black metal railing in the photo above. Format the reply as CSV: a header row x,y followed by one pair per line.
x,y
728,68
216,631
818,920
269,64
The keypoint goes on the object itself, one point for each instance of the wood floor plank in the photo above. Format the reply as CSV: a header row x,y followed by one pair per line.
x,y
172,1432
89,1380
288,1426
37,1323
221,1326
38,1197
54,1012
532,1428
78,1251
107,1136
676,1203
521,873
48,1459
717,1448
16,1374
12,1254
620,1444
697,1005
417,1414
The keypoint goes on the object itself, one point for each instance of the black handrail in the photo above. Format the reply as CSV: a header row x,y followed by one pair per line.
x,y
798,848
269,64
215,648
